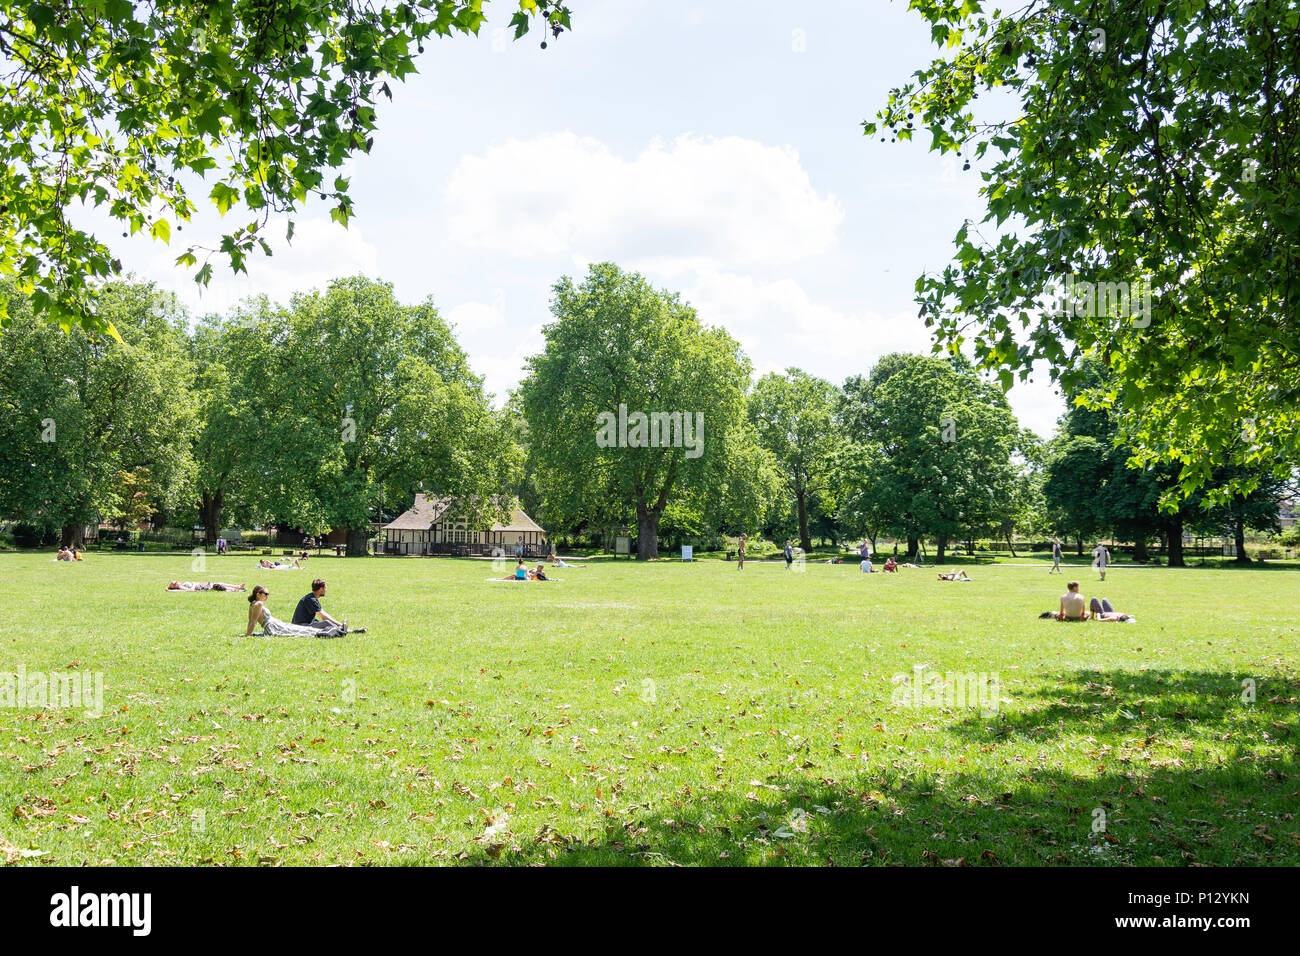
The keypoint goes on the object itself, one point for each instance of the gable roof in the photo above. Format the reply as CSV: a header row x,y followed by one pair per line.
x,y
421,515
519,522
426,512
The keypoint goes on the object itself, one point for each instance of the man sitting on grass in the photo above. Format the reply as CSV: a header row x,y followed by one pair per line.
x,y
1073,606
309,613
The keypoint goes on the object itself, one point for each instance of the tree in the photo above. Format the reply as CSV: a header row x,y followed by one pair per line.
x,y
225,388
945,442
365,401
794,417
634,405
1151,162
80,410
127,107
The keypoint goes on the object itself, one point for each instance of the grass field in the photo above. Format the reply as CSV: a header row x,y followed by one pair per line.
x,y
650,714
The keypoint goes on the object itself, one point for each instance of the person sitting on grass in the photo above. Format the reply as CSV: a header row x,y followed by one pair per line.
x,y
958,575
866,564
274,627
891,566
203,586
309,613
538,574
1073,606
65,554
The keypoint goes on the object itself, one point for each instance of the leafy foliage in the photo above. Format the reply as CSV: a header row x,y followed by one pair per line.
x,y
1152,143
130,107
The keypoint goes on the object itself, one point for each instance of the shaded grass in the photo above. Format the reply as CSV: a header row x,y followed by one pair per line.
x,y
649,714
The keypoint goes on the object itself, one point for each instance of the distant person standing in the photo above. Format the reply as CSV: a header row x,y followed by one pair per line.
x,y
789,555
1056,557
1101,559
221,544
740,551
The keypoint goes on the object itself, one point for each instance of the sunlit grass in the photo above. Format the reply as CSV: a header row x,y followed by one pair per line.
x,y
649,714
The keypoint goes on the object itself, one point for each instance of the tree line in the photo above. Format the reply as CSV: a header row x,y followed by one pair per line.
x,y
636,417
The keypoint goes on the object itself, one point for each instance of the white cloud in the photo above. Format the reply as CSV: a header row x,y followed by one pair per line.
x,y
779,324
695,203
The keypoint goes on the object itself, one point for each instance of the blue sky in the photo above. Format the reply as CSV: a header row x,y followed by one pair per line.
x,y
715,147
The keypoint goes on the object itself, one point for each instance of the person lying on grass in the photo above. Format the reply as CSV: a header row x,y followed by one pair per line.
x,y
273,566
1102,610
559,562
274,627
203,586
959,575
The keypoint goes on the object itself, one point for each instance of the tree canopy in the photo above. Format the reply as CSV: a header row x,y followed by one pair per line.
x,y
131,108
1149,161
634,406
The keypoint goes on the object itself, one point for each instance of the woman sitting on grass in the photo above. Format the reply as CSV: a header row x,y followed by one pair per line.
x,y
959,575
204,586
274,627
891,566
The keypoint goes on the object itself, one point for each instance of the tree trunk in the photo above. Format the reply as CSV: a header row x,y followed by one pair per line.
x,y
647,533
1176,544
210,509
804,541
913,548
1239,536
940,546
357,539
1011,547
70,535
1079,545
1140,555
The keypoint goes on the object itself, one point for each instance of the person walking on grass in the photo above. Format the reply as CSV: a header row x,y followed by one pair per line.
x,y
740,550
1101,559
1056,557
789,556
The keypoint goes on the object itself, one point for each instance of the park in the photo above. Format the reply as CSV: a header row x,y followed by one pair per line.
x,y
807,449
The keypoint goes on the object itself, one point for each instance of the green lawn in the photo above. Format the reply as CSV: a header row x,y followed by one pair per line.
x,y
649,714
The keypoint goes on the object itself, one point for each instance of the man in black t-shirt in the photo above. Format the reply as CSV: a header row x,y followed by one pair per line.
x,y
309,610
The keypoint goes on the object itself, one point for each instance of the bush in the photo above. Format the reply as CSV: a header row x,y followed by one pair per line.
x,y
30,536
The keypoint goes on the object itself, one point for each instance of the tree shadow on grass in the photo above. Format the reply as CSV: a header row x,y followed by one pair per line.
x,y
1140,792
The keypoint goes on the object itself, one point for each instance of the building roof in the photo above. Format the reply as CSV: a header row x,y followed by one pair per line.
x,y
519,522
421,515
426,512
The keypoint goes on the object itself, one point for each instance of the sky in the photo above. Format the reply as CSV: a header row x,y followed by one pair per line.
x,y
715,147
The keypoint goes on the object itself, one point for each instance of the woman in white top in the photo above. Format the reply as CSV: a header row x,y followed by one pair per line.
x,y
274,627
